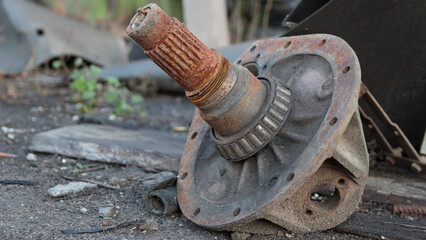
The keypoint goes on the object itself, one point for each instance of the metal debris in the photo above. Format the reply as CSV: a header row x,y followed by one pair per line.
x,y
161,198
33,35
272,128
414,160
145,75
18,182
143,225
416,210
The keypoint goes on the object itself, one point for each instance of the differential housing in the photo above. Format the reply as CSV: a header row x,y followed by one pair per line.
x,y
276,140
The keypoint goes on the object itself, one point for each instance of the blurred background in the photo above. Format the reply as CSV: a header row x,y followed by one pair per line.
x,y
244,19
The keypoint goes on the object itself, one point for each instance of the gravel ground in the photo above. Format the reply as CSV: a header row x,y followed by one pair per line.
x,y
27,212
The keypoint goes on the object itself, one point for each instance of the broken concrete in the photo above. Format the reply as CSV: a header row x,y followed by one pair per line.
x,y
70,188
149,149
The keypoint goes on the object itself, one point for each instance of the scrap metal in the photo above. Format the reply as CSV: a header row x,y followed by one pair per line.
x,y
414,160
388,38
31,35
161,197
272,129
401,209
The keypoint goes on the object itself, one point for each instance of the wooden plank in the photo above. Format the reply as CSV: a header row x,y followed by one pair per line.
x,y
149,149
395,191
374,226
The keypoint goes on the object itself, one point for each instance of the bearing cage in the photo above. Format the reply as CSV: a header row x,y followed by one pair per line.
x,y
261,131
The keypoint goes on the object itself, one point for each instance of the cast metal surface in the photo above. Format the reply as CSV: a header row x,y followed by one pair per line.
x,y
320,148
298,96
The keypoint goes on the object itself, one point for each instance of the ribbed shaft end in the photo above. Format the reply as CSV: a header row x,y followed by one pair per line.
x,y
174,48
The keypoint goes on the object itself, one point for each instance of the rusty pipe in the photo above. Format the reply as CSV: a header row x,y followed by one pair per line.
x,y
228,95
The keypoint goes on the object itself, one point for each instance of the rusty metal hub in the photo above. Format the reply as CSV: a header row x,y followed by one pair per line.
x,y
276,140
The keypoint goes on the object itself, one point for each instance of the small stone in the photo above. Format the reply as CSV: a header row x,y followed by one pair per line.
x,y
70,188
148,225
112,117
4,129
11,136
105,224
31,157
83,210
240,235
314,196
75,118
7,130
108,211
114,181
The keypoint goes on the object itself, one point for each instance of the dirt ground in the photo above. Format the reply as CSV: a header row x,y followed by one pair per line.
x,y
27,212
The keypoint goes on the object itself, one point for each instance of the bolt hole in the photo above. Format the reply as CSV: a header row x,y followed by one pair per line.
x,y
184,175
272,181
237,211
239,61
258,55
308,211
40,31
290,177
341,181
322,43
346,69
325,196
197,211
332,121
265,66
194,135
252,48
287,44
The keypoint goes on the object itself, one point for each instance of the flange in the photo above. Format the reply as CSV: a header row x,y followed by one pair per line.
x,y
319,151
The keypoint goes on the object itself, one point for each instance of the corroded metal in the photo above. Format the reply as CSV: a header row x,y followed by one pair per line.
x,y
394,154
298,97
320,147
403,209
229,96
161,197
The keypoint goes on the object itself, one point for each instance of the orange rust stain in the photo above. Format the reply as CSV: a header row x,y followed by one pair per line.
x,y
230,122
